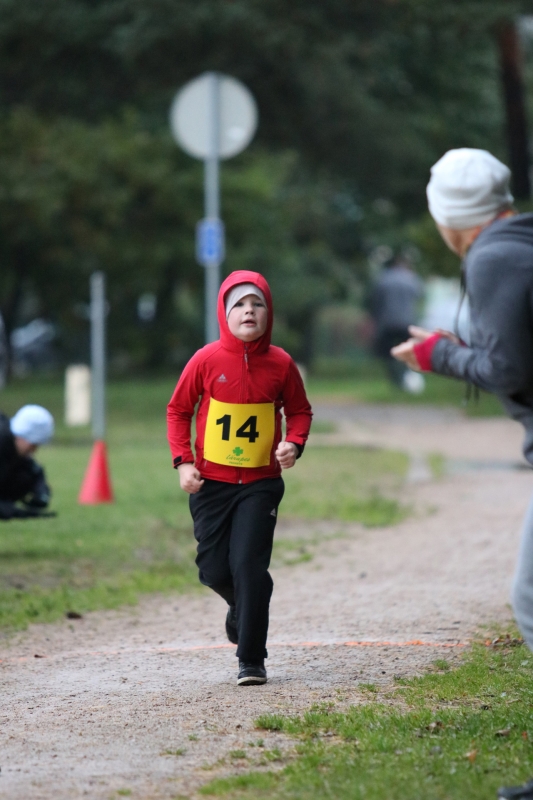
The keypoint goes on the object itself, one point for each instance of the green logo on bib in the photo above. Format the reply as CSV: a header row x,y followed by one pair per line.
x,y
238,451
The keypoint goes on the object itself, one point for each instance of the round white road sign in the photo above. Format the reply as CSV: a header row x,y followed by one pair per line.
x,y
213,115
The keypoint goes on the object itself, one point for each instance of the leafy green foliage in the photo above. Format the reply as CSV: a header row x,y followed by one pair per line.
x,y
336,81
76,197
356,101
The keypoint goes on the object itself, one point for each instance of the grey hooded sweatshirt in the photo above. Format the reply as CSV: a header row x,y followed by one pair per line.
x,y
498,270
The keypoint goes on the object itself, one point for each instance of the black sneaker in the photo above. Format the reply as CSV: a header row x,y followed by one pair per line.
x,y
231,626
251,673
524,792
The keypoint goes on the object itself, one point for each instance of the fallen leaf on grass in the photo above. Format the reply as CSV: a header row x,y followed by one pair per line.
x,y
503,732
435,726
505,641
471,756
525,735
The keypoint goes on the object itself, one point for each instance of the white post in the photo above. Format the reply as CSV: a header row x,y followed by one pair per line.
x,y
98,354
77,395
212,206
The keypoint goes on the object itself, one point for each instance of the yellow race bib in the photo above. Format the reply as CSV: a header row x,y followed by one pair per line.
x,y
239,434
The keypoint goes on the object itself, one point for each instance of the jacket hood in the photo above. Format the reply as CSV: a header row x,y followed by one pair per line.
x,y
230,341
516,228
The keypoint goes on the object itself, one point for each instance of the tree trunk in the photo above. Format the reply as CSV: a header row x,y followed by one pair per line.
x,y
163,320
513,93
10,307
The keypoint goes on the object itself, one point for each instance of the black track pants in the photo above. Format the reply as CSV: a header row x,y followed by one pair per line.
x,y
234,527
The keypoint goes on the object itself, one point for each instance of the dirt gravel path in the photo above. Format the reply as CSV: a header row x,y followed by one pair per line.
x,y
144,700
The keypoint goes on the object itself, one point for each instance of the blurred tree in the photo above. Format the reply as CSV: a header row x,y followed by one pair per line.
x,y
513,91
373,89
75,197
356,101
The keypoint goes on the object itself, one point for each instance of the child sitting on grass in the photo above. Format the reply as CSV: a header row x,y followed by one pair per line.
x,y
241,383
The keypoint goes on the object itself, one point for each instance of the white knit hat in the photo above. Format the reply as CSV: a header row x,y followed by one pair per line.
x,y
33,423
240,291
468,187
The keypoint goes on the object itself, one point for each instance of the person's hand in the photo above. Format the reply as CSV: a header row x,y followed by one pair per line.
x,y
286,454
406,350
190,479
420,334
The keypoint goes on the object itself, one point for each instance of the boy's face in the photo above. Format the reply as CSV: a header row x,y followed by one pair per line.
x,y
248,318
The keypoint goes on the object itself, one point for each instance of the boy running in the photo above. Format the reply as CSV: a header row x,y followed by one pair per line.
x,y
241,382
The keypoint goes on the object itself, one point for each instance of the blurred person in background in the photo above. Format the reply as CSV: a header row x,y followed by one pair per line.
x,y
393,303
24,491
470,200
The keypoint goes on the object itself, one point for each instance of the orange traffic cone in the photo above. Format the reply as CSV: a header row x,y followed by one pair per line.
x,y
96,486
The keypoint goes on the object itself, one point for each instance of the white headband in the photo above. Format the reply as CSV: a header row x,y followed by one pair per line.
x,y
240,291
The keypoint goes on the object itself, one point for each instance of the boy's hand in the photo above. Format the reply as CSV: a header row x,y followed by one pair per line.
x,y
286,454
190,479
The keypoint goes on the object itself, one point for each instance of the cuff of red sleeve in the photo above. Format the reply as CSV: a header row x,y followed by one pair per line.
x,y
299,447
186,458
423,351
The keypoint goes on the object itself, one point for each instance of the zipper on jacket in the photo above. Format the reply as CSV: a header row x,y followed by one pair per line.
x,y
244,376
244,396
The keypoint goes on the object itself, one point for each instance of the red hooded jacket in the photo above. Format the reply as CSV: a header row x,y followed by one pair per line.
x,y
230,371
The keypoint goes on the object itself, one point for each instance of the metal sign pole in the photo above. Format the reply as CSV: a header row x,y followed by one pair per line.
x,y
98,354
212,117
212,206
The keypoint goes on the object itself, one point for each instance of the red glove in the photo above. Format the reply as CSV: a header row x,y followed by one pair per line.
x,y
423,351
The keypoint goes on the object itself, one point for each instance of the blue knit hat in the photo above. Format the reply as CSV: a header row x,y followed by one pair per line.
x,y
33,423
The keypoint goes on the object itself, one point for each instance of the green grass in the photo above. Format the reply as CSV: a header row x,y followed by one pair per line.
x,y
92,557
346,483
371,387
180,751
437,464
450,735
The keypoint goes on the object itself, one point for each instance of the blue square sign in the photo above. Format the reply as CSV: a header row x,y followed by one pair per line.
x,y
210,242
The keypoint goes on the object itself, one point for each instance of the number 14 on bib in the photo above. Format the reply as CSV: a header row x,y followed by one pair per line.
x,y
239,434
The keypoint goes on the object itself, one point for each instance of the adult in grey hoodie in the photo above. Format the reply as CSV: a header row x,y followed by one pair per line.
x,y
470,201
498,275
